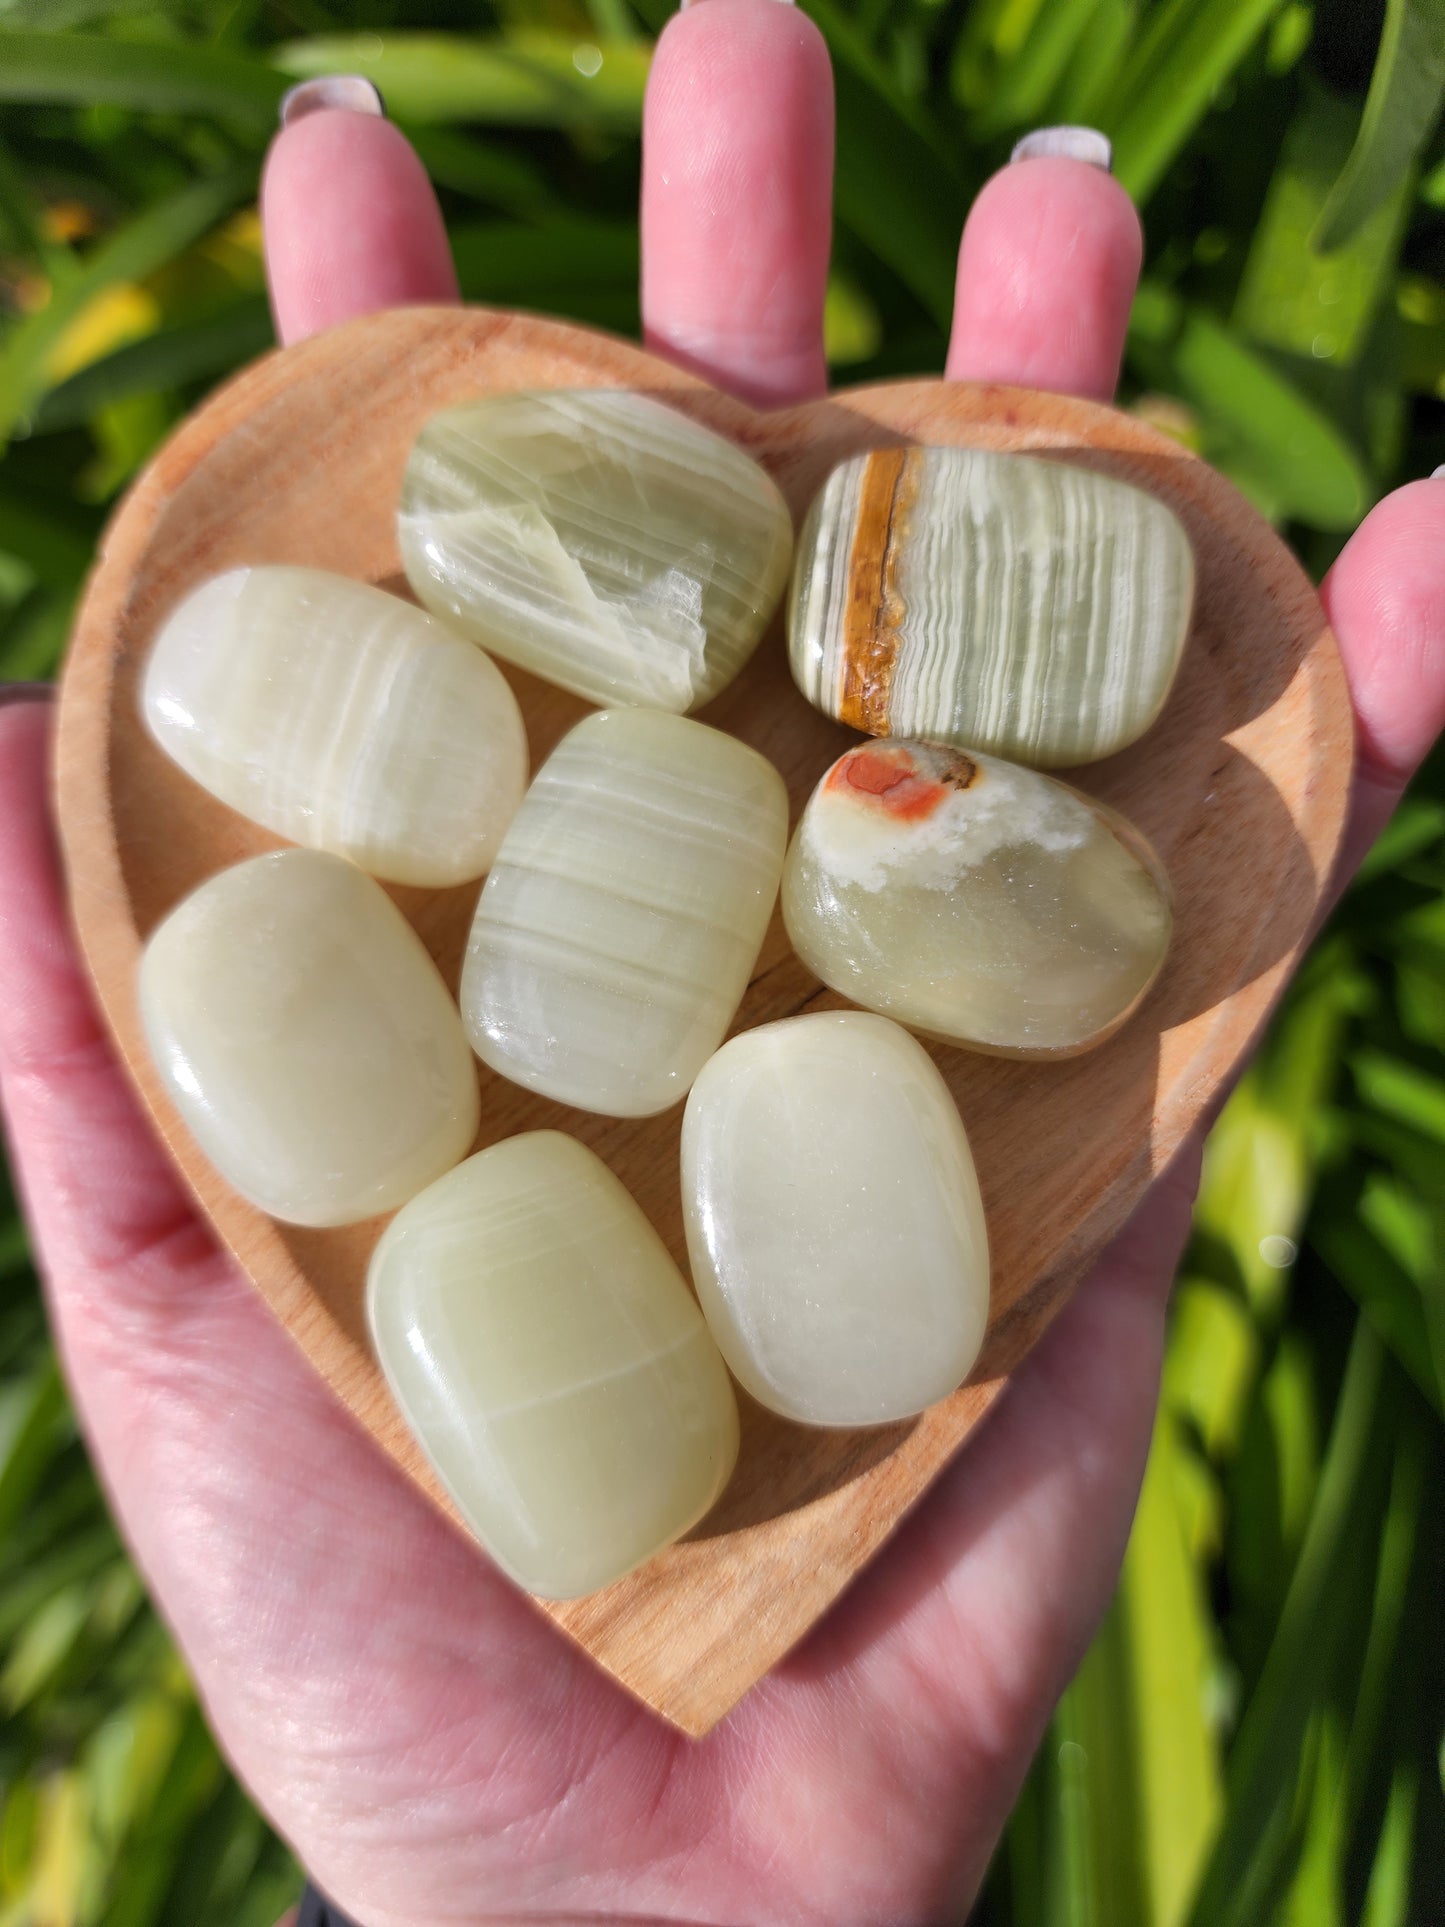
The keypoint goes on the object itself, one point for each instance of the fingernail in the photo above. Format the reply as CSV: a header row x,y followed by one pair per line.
x,y
1436,473
351,93
683,5
1070,144
25,692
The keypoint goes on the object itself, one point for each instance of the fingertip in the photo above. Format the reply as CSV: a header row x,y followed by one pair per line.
x,y
1385,598
1047,273
737,152
351,223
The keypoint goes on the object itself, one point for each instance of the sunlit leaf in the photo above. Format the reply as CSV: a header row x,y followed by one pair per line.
x,y
147,242
524,79
1189,49
1292,297
1402,108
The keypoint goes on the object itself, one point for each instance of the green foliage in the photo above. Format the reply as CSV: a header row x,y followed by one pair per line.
x,y
1255,1737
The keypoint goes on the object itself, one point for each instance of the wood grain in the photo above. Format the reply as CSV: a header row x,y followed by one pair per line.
x,y
1241,787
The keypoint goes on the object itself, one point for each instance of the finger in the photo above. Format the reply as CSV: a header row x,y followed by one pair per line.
x,y
1047,273
237,1476
737,187
350,219
1385,598
953,1651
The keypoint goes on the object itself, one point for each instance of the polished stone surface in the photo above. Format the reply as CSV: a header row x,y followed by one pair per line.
x,y
341,718
307,1039
1029,608
552,1364
597,538
975,900
616,933
834,1223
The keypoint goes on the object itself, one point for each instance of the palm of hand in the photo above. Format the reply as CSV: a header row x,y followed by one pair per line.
x,y
434,1750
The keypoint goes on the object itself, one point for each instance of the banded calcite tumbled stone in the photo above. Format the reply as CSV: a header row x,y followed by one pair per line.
x,y
307,1039
615,935
1028,608
552,1364
597,538
976,900
342,718
834,1223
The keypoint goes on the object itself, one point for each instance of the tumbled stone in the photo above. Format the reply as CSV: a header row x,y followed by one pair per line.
x,y
552,1364
976,900
342,718
597,538
307,1039
834,1223
1029,608
616,933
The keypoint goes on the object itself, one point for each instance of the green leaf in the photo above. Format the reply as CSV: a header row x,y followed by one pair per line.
x,y
150,77
144,244
1401,109
1255,1845
1258,426
1171,1658
1291,296
523,79
1164,90
170,358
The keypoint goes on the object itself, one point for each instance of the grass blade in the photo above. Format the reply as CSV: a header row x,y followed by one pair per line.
x,y
522,80
1252,1848
1162,95
170,77
149,241
1401,109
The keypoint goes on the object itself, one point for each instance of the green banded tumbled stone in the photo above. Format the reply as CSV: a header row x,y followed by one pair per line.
x,y
974,899
598,539
1028,608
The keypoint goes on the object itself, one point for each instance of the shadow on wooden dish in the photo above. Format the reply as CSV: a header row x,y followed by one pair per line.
x,y
1241,786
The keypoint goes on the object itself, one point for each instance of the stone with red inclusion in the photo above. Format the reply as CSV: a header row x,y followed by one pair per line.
x,y
976,900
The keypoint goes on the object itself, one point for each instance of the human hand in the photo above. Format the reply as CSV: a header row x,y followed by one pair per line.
x,y
432,1747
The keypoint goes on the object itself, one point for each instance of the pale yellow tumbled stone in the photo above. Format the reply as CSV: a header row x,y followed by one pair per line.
x,y
307,1039
616,933
974,899
597,538
342,718
552,1364
834,1222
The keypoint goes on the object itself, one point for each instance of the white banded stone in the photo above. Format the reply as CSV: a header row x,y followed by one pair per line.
x,y
1031,609
616,933
307,1039
342,718
974,899
834,1223
552,1364
598,539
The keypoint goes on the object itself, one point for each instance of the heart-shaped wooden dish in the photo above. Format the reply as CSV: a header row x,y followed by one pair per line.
x,y
1241,786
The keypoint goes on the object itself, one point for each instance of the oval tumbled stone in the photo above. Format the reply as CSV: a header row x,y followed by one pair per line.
x,y
626,908
974,899
598,539
1029,608
342,718
307,1039
552,1364
834,1223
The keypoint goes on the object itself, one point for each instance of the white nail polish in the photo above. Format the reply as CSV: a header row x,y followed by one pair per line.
x,y
1436,473
351,93
1070,144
